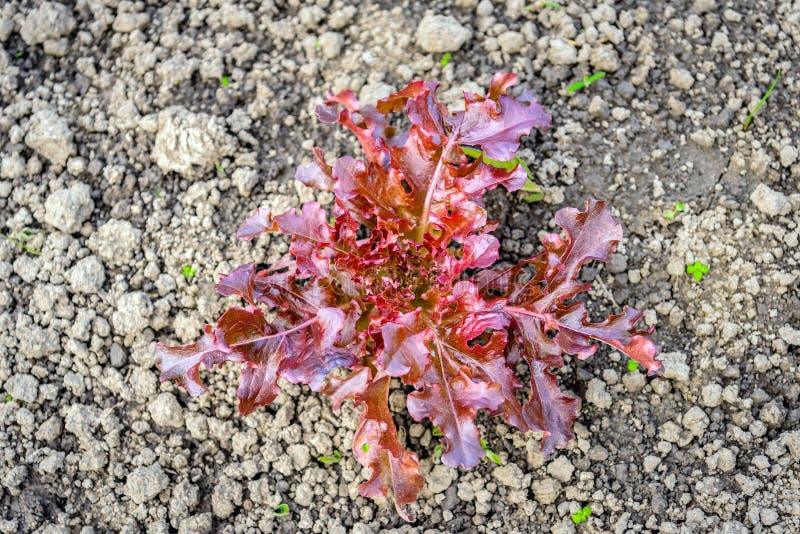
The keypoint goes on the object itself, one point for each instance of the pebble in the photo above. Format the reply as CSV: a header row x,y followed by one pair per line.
x,y
561,469
145,483
596,394
132,313
441,33
788,155
511,42
675,366
331,44
190,143
226,496
695,421
116,242
50,136
509,475
67,209
87,276
166,410
769,201
681,78
48,21
546,490
605,58
23,387
562,52
711,395
440,478
789,334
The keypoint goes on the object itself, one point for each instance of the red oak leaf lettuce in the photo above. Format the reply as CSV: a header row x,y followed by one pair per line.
x,y
395,281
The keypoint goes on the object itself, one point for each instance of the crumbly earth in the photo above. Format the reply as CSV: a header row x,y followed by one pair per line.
x,y
124,157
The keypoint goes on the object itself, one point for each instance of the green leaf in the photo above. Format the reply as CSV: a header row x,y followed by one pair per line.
x,y
188,271
633,365
535,193
317,44
9,398
337,456
679,206
445,59
581,515
437,454
763,99
490,453
472,152
282,509
225,81
437,432
19,54
365,447
669,214
697,269
220,168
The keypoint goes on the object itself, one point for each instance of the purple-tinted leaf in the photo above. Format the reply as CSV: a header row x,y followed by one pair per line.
x,y
257,223
182,363
548,410
405,352
240,282
316,174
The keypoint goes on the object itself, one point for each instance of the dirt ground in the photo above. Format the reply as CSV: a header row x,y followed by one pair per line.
x,y
136,135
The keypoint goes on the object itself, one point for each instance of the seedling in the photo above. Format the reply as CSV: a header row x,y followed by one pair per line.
x,y
19,54
547,3
761,102
21,239
670,214
633,365
365,447
437,432
382,296
437,454
225,81
697,269
585,82
317,44
9,398
220,168
581,515
445,59
490,454
281,510
188,271
534,192
337,456
160,193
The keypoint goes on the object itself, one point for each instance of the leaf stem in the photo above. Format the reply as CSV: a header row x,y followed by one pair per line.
x,y
276,335
422,224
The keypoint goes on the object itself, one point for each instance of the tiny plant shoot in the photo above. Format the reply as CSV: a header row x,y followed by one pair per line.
x,y
581,515
188,271
445,59
403,286
281,510
670,214
761,102
9,398
697,269
490,454
633,365
220,168
21,238
546,3
585,82
225,81
337,456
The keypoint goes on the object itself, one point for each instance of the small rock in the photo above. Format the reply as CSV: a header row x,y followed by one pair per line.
x,y
331,44
788,155
562,53
440,33
67,209
132,314
116,242
197,524
695,421
190,143
372,92
675,366
561,469
23,387
166,410
596,394
509,475
772,414
711,395
50,20
87,276
681,78
546,490
300,455
226,497
50,136
128,22
440,478
789,335
770,202
145,483
605,58
511,42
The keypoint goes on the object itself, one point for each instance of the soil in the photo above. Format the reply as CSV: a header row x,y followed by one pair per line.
x,y
136,135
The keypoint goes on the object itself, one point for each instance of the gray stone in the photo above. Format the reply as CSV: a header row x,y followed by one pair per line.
x,y
509,475
440,478
165,410
596,394
23,387
711,395
50,136
681,78
132,314
605,58
128,22
226,497
562,53
675,366
511,42
197,524
190,143
331,44
116,242
50,20
67,209
546,490
87,276
145,483
561,469
695,421
770,202
440,33
372,92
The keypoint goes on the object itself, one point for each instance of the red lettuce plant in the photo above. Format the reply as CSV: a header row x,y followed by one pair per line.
x,y
348,313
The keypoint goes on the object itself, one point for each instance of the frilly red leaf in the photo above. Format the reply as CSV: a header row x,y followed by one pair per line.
x,y
395,281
